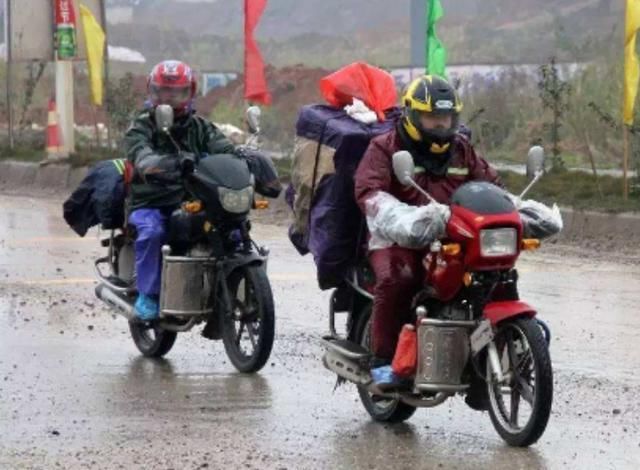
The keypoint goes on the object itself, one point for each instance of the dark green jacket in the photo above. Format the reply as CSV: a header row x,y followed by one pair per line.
x,y
193,134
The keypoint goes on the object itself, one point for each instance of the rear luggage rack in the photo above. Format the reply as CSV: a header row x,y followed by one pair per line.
x,y
114,283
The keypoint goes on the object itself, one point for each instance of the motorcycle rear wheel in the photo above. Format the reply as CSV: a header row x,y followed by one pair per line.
x,y
380,409
525,361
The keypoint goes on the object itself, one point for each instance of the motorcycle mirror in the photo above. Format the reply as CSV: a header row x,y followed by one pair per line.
x,y
535,161
164,117
403,167
253,119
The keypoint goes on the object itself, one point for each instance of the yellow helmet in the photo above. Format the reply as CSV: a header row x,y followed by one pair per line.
x,y
430,94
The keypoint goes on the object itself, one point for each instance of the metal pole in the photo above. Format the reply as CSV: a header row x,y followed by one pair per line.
x,y
103,23
417,13
625,165
64,104
9,45
427,12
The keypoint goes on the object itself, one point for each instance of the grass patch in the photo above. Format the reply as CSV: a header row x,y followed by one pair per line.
x,y
83,156
283,165
578,190
570,189
90,156
22,153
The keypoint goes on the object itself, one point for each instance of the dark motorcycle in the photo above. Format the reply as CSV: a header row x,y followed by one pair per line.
x,y
473,333
212,271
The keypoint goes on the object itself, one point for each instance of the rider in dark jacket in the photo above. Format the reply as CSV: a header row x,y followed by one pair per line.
x,y
157,189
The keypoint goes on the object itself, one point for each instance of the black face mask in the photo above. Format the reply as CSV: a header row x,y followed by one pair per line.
x,y
435,163
437,141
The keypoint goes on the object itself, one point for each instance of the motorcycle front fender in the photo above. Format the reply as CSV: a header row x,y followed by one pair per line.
x,y
497,312
242,259
213,329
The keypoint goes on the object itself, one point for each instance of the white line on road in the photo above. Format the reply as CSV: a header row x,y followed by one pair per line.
x,y
279,277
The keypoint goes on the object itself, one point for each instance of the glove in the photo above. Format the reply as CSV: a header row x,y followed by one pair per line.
x,y
187,163
515,200
540,221
442,210
262,168
393,222
159,168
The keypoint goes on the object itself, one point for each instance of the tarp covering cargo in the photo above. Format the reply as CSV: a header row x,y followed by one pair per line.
x,y
99,199
327,222
373,86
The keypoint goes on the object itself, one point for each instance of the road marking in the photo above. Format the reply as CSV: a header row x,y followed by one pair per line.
x,y
281,277
90,239
47,240
48,282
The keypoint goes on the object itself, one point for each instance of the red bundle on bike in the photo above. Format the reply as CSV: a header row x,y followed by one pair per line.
x,y
405,358
371,85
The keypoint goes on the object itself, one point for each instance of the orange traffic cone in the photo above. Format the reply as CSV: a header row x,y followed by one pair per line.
x,y
54,143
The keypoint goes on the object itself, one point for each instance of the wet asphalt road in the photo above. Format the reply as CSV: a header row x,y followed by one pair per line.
x,y
74,393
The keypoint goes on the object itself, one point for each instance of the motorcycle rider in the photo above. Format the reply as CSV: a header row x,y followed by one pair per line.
x,y
156,188
445,160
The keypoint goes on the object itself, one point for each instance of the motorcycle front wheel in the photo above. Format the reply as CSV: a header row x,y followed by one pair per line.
x,y
248,331
520,406
381,409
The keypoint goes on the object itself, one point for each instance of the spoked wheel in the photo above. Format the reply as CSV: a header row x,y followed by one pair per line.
x,y
151,340
381,409
248,332
520,406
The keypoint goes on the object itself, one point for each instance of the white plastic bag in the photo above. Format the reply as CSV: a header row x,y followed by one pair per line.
x,y
538,220
393,222
360,112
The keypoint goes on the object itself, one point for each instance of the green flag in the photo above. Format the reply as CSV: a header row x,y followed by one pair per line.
x,y
436,53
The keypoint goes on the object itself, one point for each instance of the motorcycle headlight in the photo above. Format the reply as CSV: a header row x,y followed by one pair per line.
x,y
236,201
498,242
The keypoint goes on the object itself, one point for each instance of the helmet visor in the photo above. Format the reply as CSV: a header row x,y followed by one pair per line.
x,y
173,96
436,121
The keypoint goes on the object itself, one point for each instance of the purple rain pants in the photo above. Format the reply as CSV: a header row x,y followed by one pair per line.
x,y
151,225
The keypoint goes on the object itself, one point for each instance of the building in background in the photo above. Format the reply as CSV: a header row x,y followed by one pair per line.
x,y
470,75
212,80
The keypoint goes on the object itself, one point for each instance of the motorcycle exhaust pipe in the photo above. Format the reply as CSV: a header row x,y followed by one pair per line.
x,y
120,303
345,367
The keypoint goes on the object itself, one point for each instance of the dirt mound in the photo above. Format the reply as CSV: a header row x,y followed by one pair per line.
x,y
291,87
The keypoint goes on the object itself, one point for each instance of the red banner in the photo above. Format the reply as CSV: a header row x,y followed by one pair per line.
x,y
255,84
65,34
65,13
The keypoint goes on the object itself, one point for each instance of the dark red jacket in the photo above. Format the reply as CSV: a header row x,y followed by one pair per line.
x,y
375,172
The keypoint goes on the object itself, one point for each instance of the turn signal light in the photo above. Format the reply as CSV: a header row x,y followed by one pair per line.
x,y
192,207
530,244
452,249
262,204
467,279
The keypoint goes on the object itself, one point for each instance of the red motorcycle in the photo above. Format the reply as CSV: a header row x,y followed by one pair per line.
x,y
473,333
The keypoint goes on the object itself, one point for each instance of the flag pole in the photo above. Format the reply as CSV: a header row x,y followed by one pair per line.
x,y
426,40
625,164
9,46
625,126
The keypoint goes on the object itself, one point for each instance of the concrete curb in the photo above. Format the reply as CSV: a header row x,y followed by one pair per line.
x,y
588,229
600,230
